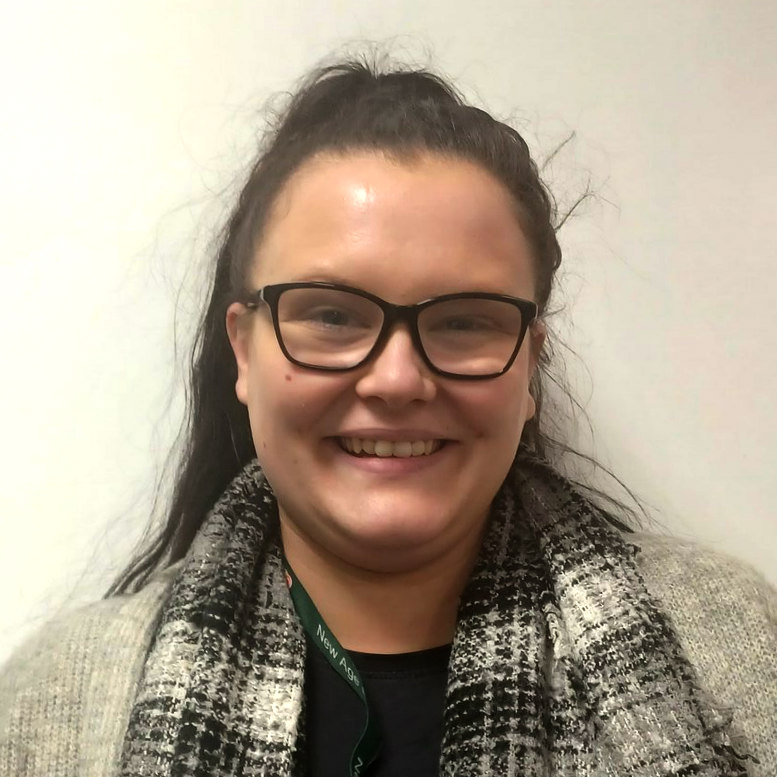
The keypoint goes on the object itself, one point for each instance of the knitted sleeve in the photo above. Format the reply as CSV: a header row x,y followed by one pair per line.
x,y
65,695
725,615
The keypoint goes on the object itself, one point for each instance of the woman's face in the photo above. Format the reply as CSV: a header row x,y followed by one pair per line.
x,y
405,231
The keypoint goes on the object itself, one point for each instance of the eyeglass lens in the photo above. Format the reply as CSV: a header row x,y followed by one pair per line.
x,y
337,329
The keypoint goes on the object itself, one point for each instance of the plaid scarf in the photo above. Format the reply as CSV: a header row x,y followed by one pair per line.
x,y
562,664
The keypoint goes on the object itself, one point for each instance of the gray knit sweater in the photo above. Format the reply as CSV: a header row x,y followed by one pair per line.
x,y
65,697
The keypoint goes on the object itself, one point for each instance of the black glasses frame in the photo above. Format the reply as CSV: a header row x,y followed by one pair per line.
x,y
392,314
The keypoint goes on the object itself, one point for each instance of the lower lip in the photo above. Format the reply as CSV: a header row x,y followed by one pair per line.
x,y
394,465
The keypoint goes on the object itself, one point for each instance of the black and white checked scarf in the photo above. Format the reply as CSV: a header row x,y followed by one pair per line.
x,y
562,663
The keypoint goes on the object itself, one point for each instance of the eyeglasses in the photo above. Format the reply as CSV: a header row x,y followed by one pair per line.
x,y
326,326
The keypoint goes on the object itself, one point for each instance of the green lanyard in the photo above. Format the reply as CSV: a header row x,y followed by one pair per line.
x,y
366,749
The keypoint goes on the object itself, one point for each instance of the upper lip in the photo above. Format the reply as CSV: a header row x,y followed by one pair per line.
x,y
393,435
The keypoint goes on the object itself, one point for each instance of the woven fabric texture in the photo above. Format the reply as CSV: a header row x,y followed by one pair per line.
x,y
564,662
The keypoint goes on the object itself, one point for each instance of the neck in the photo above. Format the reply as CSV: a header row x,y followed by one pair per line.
x,y
382,611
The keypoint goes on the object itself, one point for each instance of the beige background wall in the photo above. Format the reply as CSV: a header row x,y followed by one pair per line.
x,y
124,127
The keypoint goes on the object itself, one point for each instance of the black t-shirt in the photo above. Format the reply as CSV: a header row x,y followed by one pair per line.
x,y
407,697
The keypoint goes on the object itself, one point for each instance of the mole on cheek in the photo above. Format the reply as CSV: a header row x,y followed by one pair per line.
x,y
288,377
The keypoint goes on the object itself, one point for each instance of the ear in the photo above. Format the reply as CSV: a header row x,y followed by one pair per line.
x,y
239,332
537,334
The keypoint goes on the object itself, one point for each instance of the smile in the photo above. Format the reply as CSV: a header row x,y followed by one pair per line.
x,y
402,449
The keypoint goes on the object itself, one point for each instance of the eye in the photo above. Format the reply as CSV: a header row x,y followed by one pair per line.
x,y
467,324
332,317
470,318
327,311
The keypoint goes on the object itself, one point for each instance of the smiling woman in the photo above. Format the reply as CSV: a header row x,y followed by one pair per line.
x,y
359,216
371,565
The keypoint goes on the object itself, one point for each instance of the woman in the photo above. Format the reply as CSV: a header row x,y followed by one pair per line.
x,y
369,565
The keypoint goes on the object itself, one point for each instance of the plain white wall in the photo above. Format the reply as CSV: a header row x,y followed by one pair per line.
x,y
125,127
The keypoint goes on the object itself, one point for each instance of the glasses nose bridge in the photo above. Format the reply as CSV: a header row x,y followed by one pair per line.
x,y
400,314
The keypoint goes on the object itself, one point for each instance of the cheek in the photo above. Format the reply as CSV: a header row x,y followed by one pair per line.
x,y
273,404
270,412
289,402
496,409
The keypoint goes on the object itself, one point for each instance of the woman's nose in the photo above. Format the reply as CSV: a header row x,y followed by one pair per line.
x,y
397,373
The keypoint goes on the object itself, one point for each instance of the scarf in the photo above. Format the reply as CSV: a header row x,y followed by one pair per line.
x,y
562,663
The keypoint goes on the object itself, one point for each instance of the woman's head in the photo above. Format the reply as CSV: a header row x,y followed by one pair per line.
x,y
409,119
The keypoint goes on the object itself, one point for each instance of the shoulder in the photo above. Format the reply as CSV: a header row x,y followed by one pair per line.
x,y
725,616
73,683
706,589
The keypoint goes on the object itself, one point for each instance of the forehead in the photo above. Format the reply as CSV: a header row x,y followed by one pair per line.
x,y
361,216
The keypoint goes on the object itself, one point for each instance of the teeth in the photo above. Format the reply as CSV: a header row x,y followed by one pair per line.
x,y
383,448
387,448
403,449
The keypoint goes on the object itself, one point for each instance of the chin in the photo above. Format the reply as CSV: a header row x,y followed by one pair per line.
x,y
401,540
